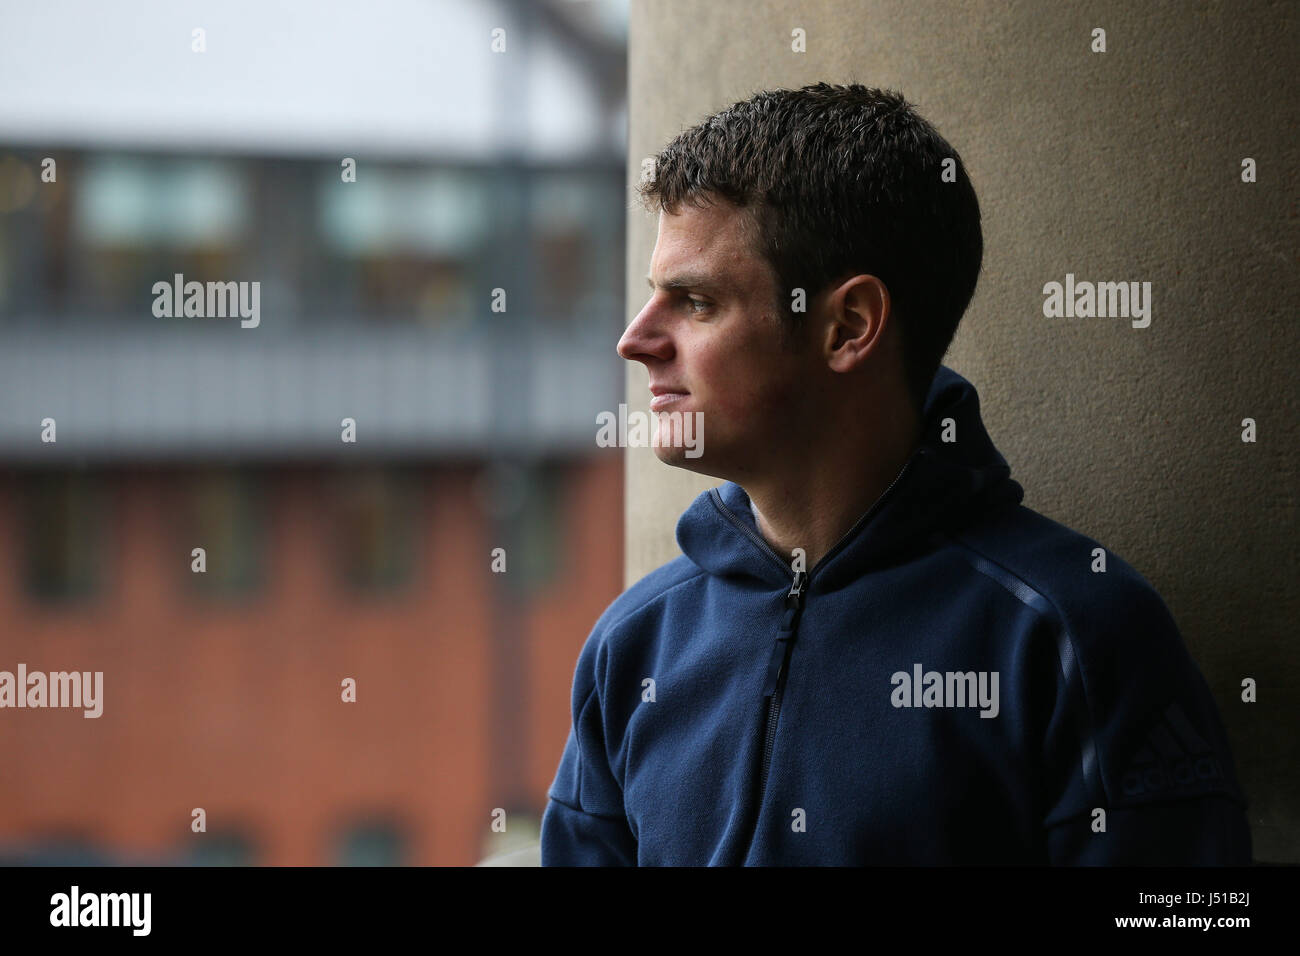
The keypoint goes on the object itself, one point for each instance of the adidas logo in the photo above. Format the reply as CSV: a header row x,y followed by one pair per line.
x,y
1175,757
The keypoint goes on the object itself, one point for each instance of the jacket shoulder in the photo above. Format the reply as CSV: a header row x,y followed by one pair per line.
x,y
630,606
1070,573
647,590
1137,699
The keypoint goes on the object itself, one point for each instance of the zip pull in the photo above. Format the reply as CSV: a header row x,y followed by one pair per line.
x,y
794,602
785,633
795,597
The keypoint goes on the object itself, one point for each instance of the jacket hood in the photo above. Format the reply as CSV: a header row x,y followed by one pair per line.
x,y
943,485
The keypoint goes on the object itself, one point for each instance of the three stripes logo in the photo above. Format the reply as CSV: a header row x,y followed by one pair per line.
x,y
1174,758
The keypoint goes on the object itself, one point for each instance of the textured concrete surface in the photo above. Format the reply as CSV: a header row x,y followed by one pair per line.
x,y
1123,165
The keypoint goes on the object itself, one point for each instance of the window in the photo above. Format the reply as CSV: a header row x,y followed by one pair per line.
x,y
140,220
222,848
403,242
69,846
63,527
528,504
184,202
569,218
227,520
32,260
376,531
372,843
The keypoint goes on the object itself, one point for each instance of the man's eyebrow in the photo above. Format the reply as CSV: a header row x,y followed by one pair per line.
x,y
687,280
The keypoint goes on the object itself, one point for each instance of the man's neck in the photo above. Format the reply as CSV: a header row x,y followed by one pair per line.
x,y
813,504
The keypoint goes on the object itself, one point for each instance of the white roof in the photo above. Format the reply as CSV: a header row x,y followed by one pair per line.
x,y
334,78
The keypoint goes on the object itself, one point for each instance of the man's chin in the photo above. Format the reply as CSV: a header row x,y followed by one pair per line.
x,y
690,459
678,440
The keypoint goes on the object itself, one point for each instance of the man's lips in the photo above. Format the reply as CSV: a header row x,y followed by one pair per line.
x,y
665,395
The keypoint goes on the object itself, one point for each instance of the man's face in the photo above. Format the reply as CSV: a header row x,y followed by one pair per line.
x,y
712,341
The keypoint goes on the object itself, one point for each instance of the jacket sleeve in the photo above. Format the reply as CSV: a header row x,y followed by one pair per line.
x,y
585,823
1203,831
1137,736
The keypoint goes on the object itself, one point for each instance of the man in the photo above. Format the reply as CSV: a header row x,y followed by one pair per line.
x,y
870,651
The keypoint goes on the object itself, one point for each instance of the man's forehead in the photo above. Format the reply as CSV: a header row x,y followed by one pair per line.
x,y
712,242
715,224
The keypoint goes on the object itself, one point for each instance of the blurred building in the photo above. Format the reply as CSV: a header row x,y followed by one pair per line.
x,y
458,304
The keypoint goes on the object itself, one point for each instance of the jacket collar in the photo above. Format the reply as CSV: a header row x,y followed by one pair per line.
x,y
943,485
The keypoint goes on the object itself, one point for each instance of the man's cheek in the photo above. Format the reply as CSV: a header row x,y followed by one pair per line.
x,y
730,413
762,395
734,395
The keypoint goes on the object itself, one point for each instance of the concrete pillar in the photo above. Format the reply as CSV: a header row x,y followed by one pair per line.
x,y
1116,165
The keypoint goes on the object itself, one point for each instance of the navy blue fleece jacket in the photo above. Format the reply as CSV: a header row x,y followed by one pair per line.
x,y
958,681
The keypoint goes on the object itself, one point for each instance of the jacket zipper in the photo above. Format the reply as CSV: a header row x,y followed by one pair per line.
x,y
794,602
793,605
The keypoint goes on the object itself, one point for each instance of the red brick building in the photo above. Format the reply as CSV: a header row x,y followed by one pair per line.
x,y
222,690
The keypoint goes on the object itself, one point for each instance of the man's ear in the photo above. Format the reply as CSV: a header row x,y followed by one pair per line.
x,y
857,312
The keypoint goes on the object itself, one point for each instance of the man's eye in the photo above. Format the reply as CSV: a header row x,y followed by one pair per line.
x,y
697,305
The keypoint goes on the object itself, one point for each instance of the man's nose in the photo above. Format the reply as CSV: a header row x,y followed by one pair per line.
x,y
645,338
